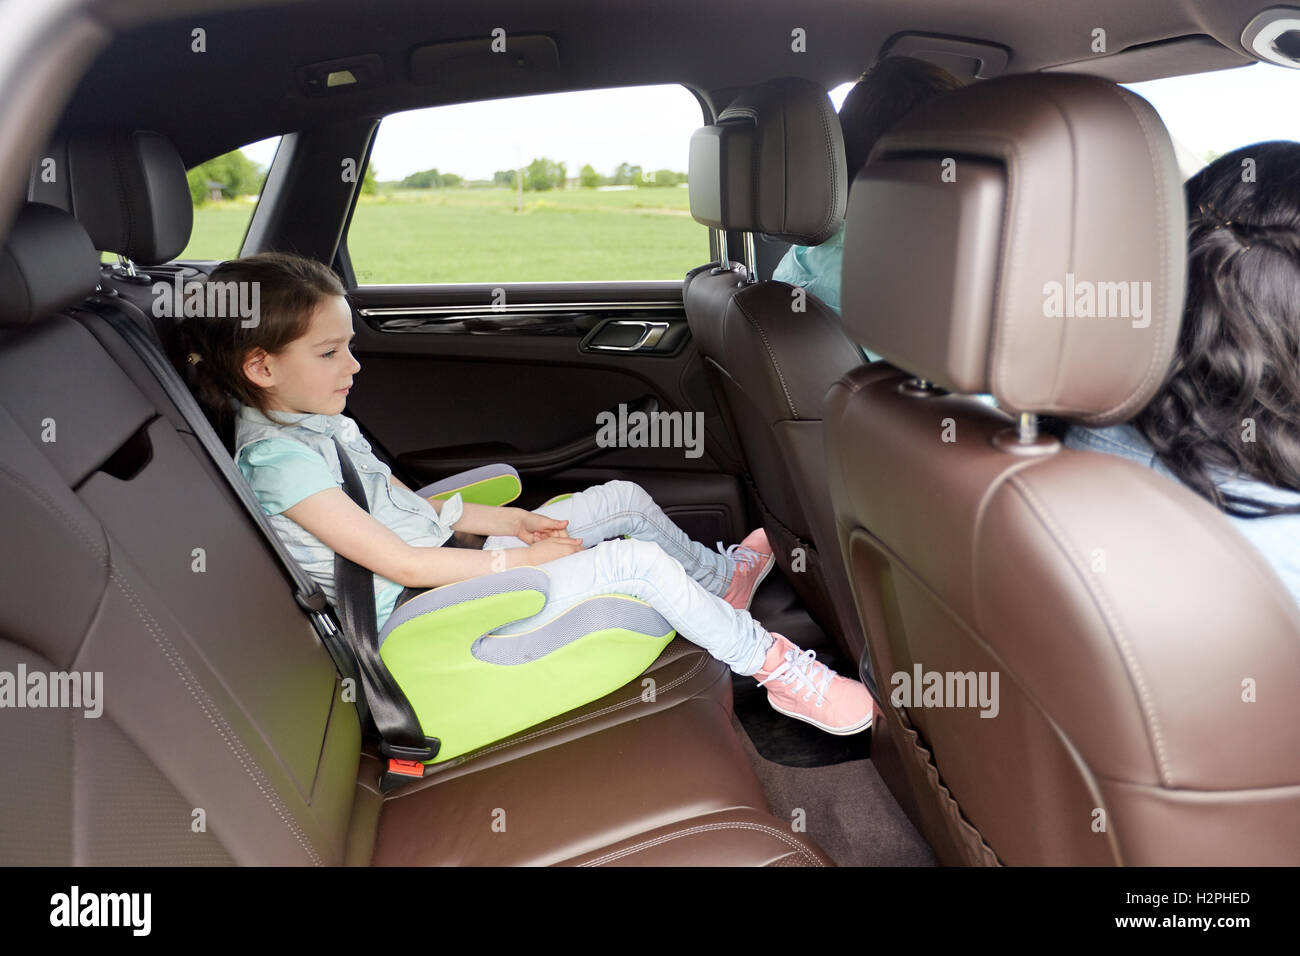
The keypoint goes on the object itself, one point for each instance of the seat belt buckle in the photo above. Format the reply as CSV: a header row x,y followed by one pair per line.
x,y
399,773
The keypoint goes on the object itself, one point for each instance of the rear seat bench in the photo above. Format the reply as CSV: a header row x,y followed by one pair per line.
x,y
129,555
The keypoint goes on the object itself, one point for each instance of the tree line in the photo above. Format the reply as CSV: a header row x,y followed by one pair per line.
x,y
234,174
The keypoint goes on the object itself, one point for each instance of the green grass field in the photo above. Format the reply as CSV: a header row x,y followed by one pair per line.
x,y
476,235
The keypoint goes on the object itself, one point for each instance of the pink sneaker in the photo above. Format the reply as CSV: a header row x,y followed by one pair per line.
x,y
801,687
753,558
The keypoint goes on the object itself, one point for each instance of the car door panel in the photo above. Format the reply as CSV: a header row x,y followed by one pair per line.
x,y
454,377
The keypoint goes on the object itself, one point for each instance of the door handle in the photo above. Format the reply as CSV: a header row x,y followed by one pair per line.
x,y
650,333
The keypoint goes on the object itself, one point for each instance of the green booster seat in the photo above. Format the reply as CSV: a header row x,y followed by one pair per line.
x,y
470,687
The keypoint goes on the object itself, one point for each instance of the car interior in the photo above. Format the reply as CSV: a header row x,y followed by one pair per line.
x,y
135,554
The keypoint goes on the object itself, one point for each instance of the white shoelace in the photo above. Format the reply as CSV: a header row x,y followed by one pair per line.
x,y
742,557
796,669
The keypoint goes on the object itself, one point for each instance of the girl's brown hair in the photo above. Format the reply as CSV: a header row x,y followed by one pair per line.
x,y
289,289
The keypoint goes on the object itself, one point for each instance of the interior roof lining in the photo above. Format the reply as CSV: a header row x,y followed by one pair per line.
x,y
254,51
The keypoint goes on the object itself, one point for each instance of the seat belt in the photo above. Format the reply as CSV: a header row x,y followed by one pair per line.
x,y
307,592
404,742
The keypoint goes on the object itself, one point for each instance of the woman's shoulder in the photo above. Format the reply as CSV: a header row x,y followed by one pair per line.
x,y
1122,440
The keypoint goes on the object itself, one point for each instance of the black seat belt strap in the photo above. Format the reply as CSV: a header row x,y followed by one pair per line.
x,y
403,739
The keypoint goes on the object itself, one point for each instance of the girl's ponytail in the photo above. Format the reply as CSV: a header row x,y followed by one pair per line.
x,y
204,380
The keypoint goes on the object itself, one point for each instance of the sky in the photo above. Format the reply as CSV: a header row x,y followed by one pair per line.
x,y
651,126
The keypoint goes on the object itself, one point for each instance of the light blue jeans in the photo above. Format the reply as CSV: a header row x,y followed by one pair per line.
x,y
659,564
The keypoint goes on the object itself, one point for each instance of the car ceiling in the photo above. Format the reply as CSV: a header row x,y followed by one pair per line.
x,y
245,88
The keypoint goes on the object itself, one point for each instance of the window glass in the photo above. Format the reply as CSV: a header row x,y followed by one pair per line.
x,y
225,191
1209,114
580,186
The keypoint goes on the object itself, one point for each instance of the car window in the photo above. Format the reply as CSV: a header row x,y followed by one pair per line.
x,y
579,186
224,191
1209,114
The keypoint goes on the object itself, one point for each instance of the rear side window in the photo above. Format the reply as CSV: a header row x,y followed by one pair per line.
x,y
224,191
1209,114
581,186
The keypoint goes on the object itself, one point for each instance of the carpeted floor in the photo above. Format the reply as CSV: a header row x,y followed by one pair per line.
x,y
847,809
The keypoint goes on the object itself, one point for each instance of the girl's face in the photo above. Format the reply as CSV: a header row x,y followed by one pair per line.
x,y
314,372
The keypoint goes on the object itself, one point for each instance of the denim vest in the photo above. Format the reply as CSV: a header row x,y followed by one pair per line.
x,y
408,515
1277,537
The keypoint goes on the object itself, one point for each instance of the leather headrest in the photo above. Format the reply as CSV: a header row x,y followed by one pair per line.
x,y
1024,236
47,264
773,163
128,189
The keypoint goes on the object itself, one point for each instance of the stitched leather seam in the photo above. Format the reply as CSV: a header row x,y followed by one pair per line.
x,y
829,217
40,495
659,840
1116,630
1138,396
182,669
215,717
771,355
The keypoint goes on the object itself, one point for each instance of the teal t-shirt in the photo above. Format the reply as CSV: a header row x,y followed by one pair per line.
x,y
283,472
294,457
817,269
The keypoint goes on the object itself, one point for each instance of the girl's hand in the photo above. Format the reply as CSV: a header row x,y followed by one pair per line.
x,y
541,552
532,527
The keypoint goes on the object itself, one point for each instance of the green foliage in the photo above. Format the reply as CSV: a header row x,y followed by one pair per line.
x,y
542,174
588,178
626,175
429,179
237,174
369,186
662,177
504,177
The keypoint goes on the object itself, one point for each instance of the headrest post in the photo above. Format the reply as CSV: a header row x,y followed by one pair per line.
x,y
126,264
724,263
1028,428
751,257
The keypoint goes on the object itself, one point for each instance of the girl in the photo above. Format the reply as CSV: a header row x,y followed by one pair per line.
x,y
1226,421
280,388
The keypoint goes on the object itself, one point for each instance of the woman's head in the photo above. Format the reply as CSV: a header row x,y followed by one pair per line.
x,y
1231,399
883,96
292,357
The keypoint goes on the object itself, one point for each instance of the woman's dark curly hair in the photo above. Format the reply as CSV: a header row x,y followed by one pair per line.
x,y
1231,400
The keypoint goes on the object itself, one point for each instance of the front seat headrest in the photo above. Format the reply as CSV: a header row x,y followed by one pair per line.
x,y
47,263
129,190
773,163
1024,236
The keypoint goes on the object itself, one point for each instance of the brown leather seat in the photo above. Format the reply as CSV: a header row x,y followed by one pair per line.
x,y
1124,617
223,736
774,163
